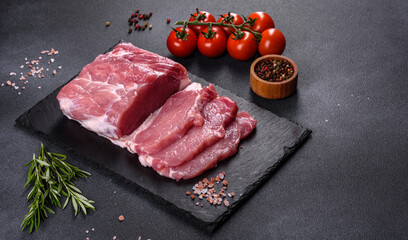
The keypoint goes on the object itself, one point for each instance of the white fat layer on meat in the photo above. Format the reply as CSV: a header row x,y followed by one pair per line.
x,y
65,105
101,126
145,160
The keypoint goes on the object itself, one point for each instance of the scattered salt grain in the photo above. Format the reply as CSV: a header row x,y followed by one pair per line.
x,y
139,238
93,229
54,72
59,67
13,74
226,203
2,84
21,66
87,231
52,60
39,87
114,237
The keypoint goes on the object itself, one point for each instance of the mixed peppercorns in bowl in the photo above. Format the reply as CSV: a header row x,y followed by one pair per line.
x,y
273,76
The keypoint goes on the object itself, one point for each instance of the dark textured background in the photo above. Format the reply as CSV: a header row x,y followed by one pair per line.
x,y
349,181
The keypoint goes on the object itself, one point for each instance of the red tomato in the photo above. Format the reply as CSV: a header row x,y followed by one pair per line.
x,y
214,46
272,42
230,18
263,21
244,48
202,17
182,46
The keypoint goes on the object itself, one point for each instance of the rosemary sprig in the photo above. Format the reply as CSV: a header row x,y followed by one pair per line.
x,y
51,177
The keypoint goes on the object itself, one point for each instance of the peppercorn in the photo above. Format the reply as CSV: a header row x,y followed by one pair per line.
x,y
140,16
143,27
137,11
133,15
107,24
150,26
274,70
136,26
168,20
129,30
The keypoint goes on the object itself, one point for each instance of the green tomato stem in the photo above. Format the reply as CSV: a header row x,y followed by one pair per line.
x,y
242,26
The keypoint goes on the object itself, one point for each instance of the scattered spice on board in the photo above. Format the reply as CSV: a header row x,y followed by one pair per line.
x,y
33,70
107,24
274,70
206,189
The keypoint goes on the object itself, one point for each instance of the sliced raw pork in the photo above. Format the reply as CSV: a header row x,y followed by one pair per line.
x,y
217,114
169,123
241,127
114,94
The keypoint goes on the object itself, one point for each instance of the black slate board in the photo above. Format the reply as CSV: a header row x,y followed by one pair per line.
x,y
271,143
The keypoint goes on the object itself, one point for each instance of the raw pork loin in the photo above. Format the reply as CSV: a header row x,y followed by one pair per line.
x,y
224,148
169,123
217,114
114,94
135,98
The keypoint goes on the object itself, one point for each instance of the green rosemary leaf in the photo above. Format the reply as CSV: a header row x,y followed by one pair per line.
x,y
74,188
75,205
64,193
43,163
55,155
88,204
31,193
66,203
82,207
51,178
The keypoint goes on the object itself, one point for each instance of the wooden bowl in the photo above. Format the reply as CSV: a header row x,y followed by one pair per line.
x,y
273,90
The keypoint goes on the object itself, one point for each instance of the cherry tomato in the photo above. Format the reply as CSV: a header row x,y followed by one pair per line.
x,y
263,21
203,16
272,42
213,46
182,44
230,18
244,48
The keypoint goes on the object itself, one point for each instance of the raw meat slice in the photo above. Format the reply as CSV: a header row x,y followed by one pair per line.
x,y
241,127
114,94
168,124
217,114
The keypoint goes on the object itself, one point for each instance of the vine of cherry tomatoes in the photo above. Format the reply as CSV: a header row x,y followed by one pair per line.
x,y
240,36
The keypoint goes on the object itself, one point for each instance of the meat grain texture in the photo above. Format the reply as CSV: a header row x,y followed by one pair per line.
x,y
146,103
